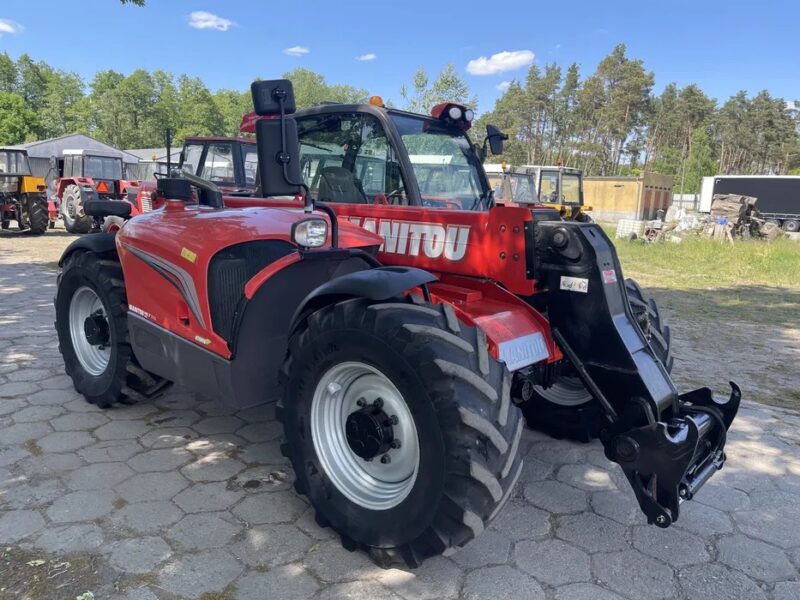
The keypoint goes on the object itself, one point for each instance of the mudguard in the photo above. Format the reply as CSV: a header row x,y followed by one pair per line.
x,y
379,283
99,243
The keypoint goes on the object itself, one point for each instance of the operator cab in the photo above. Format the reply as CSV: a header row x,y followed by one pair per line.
x,y
80,163
229,163
370,154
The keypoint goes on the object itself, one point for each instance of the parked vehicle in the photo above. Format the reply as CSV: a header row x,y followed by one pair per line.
x,y
88,177
559,188
23,198
778,195
228,162
400,327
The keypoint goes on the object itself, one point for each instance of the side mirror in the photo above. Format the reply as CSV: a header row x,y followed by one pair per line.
x,y
275,97
495,137
278,145
278,157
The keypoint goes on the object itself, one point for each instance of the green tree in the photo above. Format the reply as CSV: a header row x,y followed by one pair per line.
x,y
232,105
448,86
700,162
16,119
8,73
197,114
311,88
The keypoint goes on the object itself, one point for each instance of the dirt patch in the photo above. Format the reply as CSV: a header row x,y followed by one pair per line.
x,y
28,575
43,249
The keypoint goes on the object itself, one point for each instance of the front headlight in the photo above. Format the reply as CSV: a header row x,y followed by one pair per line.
x,y
310,233
455,113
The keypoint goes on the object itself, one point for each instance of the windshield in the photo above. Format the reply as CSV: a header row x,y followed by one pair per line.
x,y
15,163
444,163
102,167
571,189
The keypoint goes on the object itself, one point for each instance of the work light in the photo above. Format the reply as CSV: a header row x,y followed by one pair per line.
x,y
310,233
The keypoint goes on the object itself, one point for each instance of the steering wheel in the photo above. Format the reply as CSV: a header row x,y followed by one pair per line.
x,y
399,192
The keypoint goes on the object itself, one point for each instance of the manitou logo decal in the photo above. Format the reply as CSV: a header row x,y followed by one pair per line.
x,y
413,238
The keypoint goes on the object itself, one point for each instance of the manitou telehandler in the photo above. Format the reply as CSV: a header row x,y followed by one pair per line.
x,y
398,326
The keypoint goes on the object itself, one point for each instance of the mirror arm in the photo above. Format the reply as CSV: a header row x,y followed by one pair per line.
x,y
284,159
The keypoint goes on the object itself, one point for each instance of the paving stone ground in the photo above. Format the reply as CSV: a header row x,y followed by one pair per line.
x,y
183,497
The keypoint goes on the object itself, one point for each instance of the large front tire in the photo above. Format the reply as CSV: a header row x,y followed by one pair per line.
x,y
75,218
566,409
92,327
38,218
450,410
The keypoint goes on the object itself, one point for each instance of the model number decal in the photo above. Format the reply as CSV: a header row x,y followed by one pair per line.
x,y
609,276
138,311
575,284
413,238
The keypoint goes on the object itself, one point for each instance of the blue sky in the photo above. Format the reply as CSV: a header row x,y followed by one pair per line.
x,y
722,46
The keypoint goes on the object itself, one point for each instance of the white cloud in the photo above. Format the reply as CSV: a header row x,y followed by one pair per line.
x,y
500,62
791,105
367,56
9,26
201,19
503,85
297,51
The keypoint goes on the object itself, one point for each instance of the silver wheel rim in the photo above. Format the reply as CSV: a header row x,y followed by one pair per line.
x,y
567,391
94,358
374,484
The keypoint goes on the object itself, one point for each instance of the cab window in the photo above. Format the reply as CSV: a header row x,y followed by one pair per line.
x,y
191,158
250,158
571,189
218,165
548,189
347,158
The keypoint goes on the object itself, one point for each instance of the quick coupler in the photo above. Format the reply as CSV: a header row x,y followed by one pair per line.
x,y
668,461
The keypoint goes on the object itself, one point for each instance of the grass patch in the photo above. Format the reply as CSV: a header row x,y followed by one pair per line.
x,y
750,281
698,263
33,447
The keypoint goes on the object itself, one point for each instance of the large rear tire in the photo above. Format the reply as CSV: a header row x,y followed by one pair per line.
x,y
566,409
443,397
38,218
75,218
92,327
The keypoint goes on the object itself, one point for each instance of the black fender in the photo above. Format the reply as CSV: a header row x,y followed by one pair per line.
x,y
379,283
99,243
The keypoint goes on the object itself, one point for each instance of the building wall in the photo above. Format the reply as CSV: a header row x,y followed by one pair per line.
x,y
615,198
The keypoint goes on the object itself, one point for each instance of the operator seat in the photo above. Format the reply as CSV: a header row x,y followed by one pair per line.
x,y
337,184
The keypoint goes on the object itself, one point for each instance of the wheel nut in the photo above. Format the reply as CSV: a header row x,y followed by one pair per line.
x,y
386,459
378,403
396,444
361,402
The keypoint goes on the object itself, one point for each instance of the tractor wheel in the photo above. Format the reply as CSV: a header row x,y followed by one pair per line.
x,y
75,219
92,327
38,218
112,224
399,426
791,226
566,409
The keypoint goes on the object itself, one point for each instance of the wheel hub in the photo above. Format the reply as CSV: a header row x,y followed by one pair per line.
x,y
95,327
364,435
369,430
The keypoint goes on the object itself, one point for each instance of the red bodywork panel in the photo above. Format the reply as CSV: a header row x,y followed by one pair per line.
x,y
470,252
167,253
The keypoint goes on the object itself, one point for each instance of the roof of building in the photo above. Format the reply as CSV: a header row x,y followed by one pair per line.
x,y
56,147
155,154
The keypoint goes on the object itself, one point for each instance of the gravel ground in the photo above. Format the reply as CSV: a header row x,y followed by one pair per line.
x,y
183,498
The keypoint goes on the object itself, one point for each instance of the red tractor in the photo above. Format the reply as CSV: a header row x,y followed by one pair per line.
x,y
89,177
230,163
400,326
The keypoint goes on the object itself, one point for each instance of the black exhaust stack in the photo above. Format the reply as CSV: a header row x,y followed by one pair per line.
x,y
668,444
